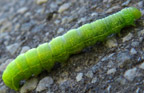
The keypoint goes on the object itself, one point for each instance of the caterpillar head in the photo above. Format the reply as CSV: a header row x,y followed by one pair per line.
x,y
137,14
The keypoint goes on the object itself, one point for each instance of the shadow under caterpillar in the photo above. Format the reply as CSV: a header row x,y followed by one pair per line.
x,y
34,61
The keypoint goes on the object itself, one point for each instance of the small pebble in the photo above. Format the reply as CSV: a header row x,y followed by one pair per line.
x,y
82,20
127,37
123,58
57,22
141,33
141,66
60,31
6,28
135,44
94,80
130,74
94,14
13,48
133,51
53,6
126,3
111,43
89,74
79,77
29,85
110,10
44,84
63,7
22,10
141,3
111,71
39,2
24,49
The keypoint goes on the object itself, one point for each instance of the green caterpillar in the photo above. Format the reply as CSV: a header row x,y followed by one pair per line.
x,y
34,61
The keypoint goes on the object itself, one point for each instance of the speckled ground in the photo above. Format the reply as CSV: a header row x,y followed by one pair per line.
x,y
113,66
